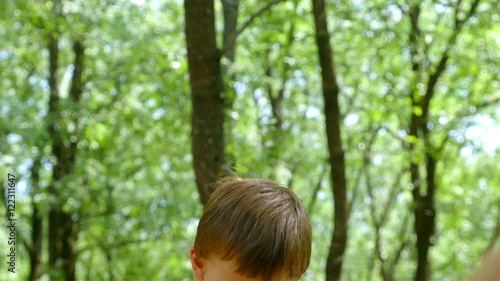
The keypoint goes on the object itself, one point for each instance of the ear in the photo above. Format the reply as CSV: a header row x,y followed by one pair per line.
x,y
198,266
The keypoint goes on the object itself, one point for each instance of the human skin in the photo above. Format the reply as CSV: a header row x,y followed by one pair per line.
x,y
489,269
216,269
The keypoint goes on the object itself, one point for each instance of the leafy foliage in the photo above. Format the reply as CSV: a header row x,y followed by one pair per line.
x,y
132,192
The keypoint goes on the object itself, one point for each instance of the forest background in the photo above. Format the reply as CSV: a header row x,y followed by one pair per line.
x,y
117,117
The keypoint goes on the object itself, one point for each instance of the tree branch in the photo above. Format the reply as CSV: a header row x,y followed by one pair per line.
x,y
404,238
463,114
247,23
441,66
316,190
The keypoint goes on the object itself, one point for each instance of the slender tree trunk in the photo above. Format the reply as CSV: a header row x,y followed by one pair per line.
x,y
275,132
35,249
110,209
424,188
424,202
333,120
231,13
57,147
207,95
230,9
62,235
109,261
68,253
276,98
423,210
70,235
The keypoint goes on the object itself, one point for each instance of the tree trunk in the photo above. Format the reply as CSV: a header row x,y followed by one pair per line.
x,y
337,161
231,13
276,98
424,200
207,95
35,249
231,9
62,236
57,146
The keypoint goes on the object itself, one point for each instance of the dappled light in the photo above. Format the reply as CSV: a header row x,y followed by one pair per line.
x,y
118,118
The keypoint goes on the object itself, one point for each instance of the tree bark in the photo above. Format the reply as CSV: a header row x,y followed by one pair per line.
x,y
231,12
277,97
230,8
333,122
62,236
207,95
57,146
69,255
424,187
35,249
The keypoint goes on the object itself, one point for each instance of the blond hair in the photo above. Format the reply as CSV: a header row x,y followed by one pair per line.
x,y
260,223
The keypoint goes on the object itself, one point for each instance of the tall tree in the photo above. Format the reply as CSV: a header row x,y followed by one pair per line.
x,y
207,94
331,92
424,185
230,32
62,234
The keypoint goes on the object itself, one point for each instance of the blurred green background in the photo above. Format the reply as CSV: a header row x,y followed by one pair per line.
x,y
96,118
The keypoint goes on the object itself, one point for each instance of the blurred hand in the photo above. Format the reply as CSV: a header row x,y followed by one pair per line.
x,y
489,269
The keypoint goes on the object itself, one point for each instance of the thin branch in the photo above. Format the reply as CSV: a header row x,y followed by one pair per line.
x,y
394,192
248,23
363,169
378,222
316,190
293,170
441,66
405,240
457,8
463,114
256,15
259,123
459,22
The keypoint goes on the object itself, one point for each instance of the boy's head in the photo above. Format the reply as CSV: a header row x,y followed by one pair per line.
x,y
252,229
